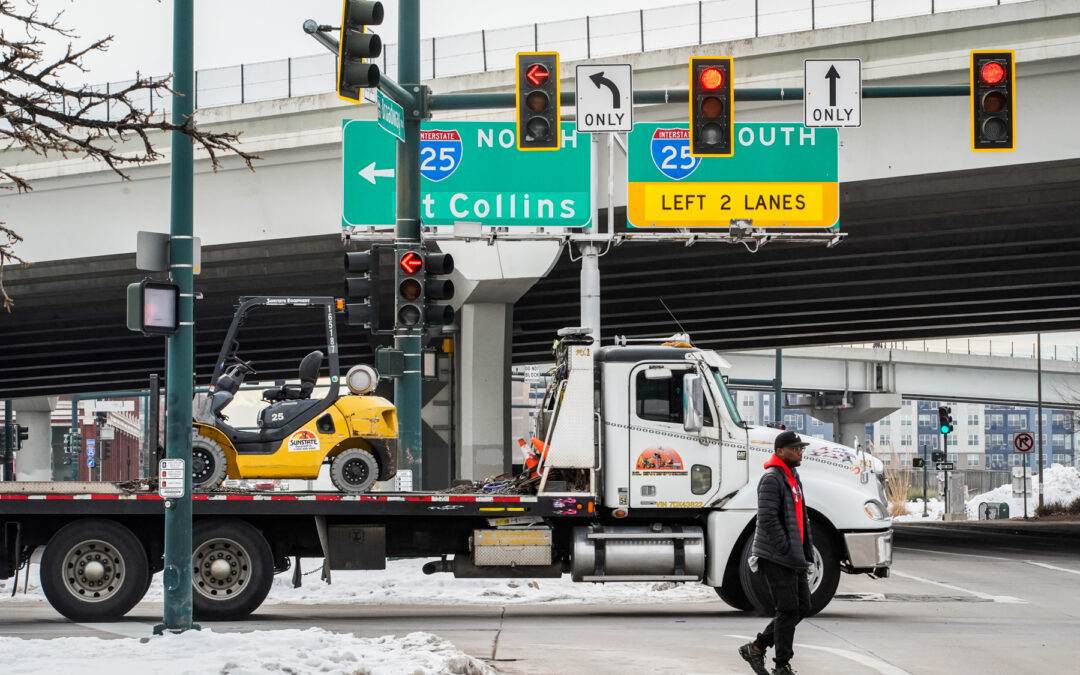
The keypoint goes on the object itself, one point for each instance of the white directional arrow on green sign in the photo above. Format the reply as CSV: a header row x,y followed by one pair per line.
x,y
471,172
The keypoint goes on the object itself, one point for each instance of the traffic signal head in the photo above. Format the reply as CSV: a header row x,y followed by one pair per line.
x,y
410,288
712,119
937,456
22,434
438,289
357,45
993,98
370,298
945,420
537,101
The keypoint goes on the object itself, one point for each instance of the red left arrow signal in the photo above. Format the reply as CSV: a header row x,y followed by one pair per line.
x,y
536,74
411,262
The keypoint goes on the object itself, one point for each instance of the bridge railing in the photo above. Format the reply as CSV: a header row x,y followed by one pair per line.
x,y
980,347
588,37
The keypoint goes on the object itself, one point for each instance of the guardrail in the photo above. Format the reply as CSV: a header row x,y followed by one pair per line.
x,y
979,347
587,37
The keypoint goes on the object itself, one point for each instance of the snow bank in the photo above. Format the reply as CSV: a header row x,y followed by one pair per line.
x,y
1062,485
286,651
402,583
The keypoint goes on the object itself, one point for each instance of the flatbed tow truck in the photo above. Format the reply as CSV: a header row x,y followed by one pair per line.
x,y
644,472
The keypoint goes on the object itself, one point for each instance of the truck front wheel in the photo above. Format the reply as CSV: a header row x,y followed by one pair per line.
x,y
94,570
232,569
824,574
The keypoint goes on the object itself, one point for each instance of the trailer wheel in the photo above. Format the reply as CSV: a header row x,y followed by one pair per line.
x,y
232,569
207,462
824,575
354,470
94,570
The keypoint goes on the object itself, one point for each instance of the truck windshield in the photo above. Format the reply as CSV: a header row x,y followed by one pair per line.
x,y
726,395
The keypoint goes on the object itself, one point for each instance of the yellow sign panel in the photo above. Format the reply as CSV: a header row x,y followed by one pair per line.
x,y
716,204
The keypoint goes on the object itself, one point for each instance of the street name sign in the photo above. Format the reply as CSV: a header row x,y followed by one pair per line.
x,y
469,171
1024,442
832,92
391,116
780,175
605,97
97,405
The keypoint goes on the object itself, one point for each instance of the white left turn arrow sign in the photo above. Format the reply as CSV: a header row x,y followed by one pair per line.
x,y
370,173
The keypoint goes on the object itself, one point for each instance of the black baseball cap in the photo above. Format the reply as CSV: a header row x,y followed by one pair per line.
x,y
789,439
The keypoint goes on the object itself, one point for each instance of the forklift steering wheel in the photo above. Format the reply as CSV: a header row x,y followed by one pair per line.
x,y
244,365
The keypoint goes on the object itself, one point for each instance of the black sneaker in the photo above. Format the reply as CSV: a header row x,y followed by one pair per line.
x,y
783,670
755,657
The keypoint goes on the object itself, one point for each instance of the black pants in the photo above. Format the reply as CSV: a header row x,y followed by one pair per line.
x,y
790,590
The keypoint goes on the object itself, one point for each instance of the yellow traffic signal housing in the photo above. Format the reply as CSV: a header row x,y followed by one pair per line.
x,y
712,116
537,101
993,100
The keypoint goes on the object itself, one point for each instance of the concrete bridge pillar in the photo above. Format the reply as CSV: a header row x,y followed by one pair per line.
x,y
849,418
488,279
33,462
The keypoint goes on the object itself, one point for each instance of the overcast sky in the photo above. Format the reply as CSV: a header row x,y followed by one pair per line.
x,y
230,32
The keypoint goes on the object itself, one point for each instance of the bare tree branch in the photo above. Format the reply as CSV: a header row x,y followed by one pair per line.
x,y
42,115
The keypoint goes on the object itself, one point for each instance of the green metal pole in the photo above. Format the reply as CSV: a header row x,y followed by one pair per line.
x,y
179,388
778,388
407,234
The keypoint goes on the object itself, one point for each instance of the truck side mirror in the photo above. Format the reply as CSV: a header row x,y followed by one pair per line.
x,y
693,403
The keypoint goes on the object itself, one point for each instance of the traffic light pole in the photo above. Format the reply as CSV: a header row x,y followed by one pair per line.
x,y
925,513
945,453
179,388
407,395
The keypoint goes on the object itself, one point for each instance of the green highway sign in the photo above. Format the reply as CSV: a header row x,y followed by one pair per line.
x,y
391,116
469,172
780,175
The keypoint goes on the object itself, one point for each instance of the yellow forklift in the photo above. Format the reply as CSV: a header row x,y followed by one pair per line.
x,y
356,432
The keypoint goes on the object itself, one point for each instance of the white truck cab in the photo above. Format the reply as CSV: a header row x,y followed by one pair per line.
x,y
679,470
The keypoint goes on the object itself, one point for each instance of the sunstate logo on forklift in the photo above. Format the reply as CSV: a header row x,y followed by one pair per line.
x,y
303,441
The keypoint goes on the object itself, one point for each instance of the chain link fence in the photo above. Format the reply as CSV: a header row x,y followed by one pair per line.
x,y
589,37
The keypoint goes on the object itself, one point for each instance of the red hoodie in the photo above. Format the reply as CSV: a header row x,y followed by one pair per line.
x,y
776,461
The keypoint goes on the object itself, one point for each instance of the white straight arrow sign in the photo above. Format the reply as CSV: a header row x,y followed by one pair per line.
x,y
370,173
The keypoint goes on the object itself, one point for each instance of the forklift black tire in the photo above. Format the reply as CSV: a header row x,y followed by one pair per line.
x,y
94,570
208,465
232,569
824,578
354,470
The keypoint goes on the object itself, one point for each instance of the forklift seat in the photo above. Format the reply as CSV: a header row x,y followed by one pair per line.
x,y
309,373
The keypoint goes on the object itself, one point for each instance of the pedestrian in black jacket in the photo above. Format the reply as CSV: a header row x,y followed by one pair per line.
x,y
782,553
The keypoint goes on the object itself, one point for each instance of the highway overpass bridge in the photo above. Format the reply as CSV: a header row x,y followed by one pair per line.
x,y
941,241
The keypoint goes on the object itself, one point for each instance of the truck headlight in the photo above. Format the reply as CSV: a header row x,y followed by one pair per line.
x,y
876,510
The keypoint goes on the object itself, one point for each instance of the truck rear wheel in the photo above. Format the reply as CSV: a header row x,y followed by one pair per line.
x,y
824,575
354,470
232,569
94,570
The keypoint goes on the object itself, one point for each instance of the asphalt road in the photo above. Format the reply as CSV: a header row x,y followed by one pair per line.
x,y
959,601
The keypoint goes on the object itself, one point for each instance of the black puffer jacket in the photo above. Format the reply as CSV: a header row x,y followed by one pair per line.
x,y
777,535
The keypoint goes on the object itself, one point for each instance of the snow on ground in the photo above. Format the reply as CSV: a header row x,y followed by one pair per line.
x,y
1062,485
402,583
195,652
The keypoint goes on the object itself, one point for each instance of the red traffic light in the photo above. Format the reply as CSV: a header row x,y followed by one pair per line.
x,y
711,78
411,262
992,72
537,74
